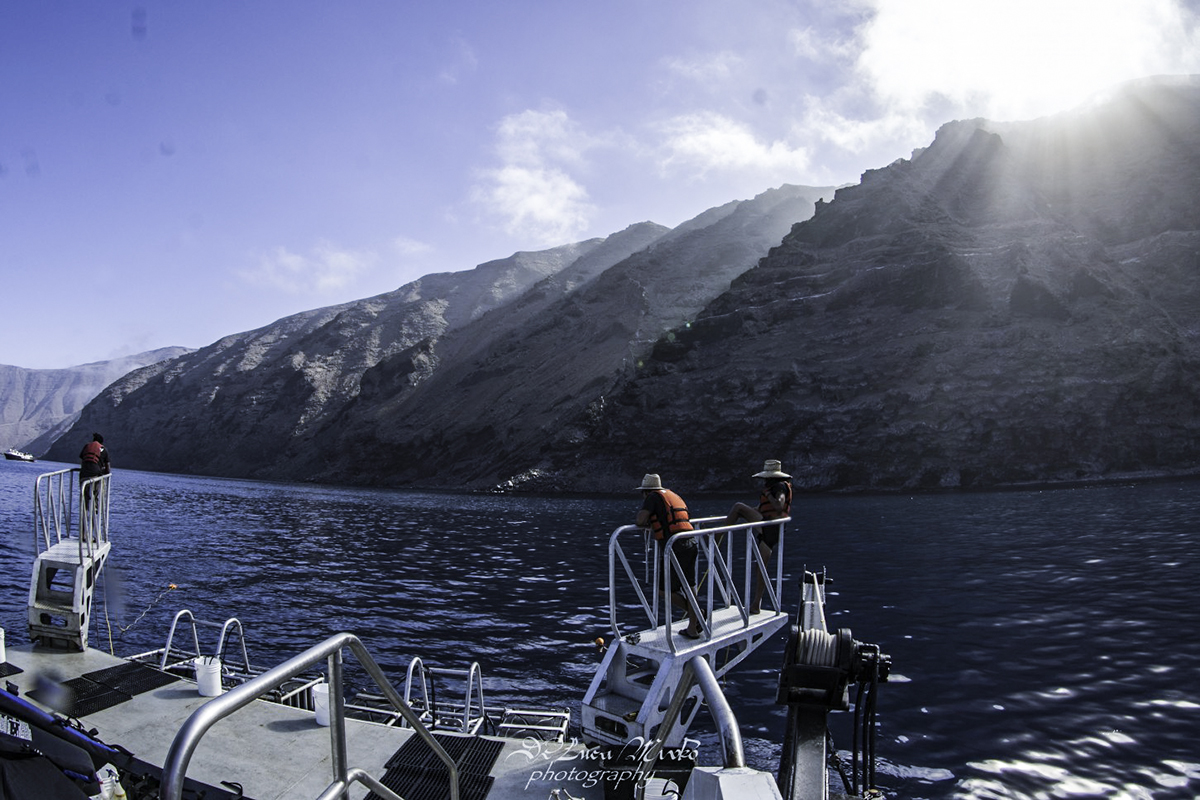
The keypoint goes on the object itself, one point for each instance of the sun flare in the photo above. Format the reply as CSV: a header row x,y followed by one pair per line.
x,y
1014,59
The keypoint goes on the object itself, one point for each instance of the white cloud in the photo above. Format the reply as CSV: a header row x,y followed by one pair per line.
x,y
411,247
534,191
326,269
707,142
715,68
808,43
461,61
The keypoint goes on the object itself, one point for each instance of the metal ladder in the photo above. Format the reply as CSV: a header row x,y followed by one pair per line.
x,y
67,567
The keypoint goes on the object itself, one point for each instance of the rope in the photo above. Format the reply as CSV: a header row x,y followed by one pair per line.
x,y
170,588
125,628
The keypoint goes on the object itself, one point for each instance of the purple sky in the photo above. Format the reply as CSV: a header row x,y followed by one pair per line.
x,y
173,172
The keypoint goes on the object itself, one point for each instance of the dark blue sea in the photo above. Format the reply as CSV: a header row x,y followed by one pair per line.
x,y
1045,644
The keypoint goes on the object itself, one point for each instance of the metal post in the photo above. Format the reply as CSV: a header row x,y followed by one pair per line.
x,y
337,718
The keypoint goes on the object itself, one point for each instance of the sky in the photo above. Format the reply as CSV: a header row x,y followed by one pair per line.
x,y
174,172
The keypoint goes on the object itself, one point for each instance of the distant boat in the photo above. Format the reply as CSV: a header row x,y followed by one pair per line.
x,y
12,454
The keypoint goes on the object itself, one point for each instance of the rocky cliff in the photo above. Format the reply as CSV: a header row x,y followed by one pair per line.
x,y
39,405
1017,303
247,404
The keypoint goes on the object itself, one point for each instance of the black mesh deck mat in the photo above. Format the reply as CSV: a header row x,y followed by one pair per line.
x,y
7,669
105,688
131,677
85,697
416,773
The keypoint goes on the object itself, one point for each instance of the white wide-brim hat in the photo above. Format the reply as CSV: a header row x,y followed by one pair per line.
x,y
772,469
650,483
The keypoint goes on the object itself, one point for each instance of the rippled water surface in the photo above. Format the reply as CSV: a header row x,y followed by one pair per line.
x,y
1044,644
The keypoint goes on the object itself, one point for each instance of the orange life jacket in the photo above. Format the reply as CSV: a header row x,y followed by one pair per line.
x,y
91,453
767,509
677,514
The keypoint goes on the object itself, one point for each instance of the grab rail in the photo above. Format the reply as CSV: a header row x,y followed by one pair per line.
x,y
718,579
473,677
202,719
220,651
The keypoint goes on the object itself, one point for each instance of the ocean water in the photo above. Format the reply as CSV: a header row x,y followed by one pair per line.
x,y
1045,644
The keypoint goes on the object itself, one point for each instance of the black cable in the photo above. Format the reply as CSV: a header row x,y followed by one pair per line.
x,y
433,714
835,761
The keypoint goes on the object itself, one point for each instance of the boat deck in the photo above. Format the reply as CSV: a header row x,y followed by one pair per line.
x,y
275,751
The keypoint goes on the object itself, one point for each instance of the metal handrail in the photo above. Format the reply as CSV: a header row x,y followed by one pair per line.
x,y
219,652
54,497
241,640
202,719
417,667
93,513
717,580
53,506
474,685
162,665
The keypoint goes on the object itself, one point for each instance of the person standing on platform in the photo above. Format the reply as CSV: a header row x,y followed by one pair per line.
x,y
93,462
665,513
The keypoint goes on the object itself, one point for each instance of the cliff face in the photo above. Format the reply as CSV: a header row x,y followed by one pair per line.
x,y
527,377
1018,303
247,404
39,405
452,375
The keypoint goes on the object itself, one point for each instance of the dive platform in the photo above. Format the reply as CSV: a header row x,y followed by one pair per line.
x,y
629,696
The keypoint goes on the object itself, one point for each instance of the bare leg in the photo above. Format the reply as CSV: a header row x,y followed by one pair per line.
x,y
741,511
760,580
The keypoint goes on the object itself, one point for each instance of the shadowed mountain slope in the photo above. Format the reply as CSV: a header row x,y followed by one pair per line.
x,y
516,379
1019,303
246,405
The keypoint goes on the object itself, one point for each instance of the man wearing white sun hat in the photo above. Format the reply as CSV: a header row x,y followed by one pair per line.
x,y
665,513
774,502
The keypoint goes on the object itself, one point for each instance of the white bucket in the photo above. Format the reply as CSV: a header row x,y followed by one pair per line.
x,y
208,676
320,696
3,652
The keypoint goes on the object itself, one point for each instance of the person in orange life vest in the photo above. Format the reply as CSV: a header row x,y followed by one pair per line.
x,y
93,459
93,462
665,513
774,502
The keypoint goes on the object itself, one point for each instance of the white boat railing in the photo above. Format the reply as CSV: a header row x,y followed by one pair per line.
x,y
233,622
722,549
202,719
473,711
56,498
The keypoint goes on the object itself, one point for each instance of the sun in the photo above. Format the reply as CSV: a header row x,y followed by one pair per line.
x,y
1016,59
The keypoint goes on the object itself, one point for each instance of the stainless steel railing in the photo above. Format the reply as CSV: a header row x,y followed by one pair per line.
x,y
232,622
718,547
62,504
202,719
